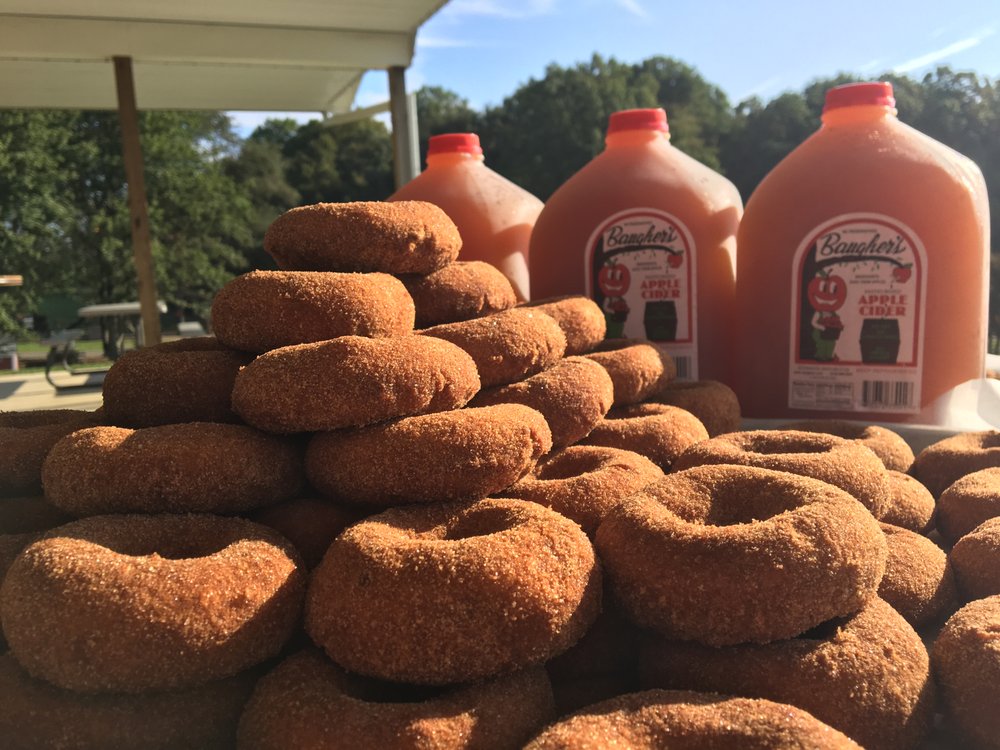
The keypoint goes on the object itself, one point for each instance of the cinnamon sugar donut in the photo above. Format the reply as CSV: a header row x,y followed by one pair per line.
x,y
656,719
453,592
26,437
705,554
309,523
657,431
842,463
918,580
459,291
34,714
637,368
310,702
966,658
399,237
975,558
468,453
136,603
264,310
172,383
889,446
867,675
948,460
968,502
194,467
585,482
353,381
714,403
911,505
573,395
580,318
506,346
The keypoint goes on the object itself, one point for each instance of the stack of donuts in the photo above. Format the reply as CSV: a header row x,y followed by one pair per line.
x,y
386,505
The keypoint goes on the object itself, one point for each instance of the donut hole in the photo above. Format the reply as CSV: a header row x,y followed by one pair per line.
x,y
731,502
770,444
825,631
479,522
372,690
568,466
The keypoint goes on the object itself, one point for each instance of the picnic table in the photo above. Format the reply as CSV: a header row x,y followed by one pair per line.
x,y
122,319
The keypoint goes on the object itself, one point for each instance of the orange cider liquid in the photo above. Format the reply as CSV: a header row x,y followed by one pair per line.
x,y
493,215
863,271
649,234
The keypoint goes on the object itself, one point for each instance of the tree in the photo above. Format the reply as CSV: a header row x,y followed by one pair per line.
x,y
442,111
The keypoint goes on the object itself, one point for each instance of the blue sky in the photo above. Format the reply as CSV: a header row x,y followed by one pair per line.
x,y
484,49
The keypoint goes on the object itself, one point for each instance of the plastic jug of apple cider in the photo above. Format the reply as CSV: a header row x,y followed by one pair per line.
x,y
493,215
863,272
649,234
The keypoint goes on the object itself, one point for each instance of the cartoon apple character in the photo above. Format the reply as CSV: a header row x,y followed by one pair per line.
x,y
674,260
902,273
827,292
614,279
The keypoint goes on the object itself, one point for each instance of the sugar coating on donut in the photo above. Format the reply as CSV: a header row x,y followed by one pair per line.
x,y
459,291
655,719
398,237
194,467
657,431
462,454
585,482
873,653
580,319
506,346
704,554
946,461
911,505
966,658
163,384
26,439
842,463
353,381
638,369
136,603
714,403
918,580
573,395
264,310
975,558
308,701
450,593
35,714
889,446
967,503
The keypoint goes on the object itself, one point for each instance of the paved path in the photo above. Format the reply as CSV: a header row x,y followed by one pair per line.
x,y
32,392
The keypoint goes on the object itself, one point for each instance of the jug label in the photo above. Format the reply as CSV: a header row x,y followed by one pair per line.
x,y
640,269
858,293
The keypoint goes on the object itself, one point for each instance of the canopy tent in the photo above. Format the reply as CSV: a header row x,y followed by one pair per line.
x,y
296,55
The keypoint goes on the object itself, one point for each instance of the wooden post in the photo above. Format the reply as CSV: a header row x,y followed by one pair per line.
x,y
132,151
403,111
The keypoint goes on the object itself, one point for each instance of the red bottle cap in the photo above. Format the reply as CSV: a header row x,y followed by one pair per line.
x,y
454,143
638,119
860,94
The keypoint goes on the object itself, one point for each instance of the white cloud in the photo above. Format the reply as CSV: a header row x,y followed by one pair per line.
x,y
633,7
765,86
438,42
871,65
939,54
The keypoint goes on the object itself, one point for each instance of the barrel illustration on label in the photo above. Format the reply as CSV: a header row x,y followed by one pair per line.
x,y
640,269
857,306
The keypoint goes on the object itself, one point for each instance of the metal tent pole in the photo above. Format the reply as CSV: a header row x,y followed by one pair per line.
x,y
403,110
141,249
